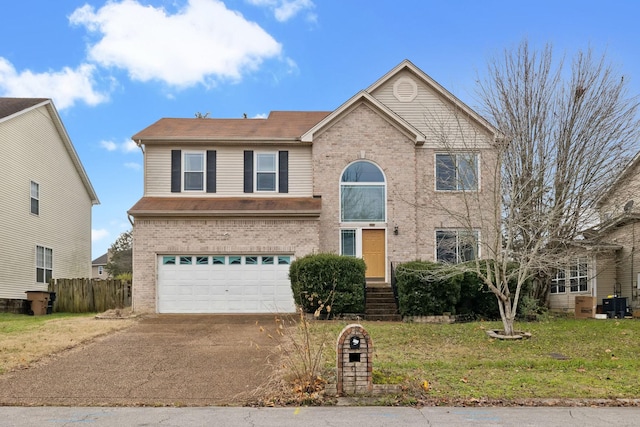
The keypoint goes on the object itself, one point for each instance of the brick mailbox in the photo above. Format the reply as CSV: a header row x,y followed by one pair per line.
x,y
355,358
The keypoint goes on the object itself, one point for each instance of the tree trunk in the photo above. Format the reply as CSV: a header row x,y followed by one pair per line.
x,y
507,317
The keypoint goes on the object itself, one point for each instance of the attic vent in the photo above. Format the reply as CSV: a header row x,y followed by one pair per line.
x,y
405,89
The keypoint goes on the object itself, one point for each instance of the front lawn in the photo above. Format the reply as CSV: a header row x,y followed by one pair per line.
x,y
27,339
565,358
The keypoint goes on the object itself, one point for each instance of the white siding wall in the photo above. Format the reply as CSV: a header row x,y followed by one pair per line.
x,y
33,151
230,164
433,115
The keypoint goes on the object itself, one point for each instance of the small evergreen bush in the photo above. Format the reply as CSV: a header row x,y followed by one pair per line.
x,y
423,289
328,284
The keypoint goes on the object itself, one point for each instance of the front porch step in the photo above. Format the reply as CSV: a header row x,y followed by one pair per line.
x,y
381,303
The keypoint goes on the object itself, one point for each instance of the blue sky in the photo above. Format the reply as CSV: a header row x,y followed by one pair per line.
x,y
114,67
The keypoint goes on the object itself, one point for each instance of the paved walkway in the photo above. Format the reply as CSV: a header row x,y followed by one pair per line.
x,y
184,360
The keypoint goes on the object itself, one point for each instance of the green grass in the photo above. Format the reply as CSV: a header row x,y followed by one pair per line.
x,y
17,323
461,362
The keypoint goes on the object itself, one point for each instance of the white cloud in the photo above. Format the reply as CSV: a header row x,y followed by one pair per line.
x,y
260,116
65,87
109,145
201,43
127,146
132,165
98,234
283,10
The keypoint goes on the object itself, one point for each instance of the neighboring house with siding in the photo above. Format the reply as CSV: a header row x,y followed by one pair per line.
x,y
610,265
229,203
98,270
45,201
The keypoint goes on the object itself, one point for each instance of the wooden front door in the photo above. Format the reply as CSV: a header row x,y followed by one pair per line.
x,y
373,253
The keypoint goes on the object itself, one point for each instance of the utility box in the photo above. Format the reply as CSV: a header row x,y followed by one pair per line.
x,y
39,301
585,307
355,361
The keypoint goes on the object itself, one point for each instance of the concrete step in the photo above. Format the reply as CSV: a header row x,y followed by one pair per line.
x,y
381,303
383,317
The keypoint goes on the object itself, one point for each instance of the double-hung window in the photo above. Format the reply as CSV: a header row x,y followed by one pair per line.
x,y
454,246
35,198
193,171
266,172
457,172
44,264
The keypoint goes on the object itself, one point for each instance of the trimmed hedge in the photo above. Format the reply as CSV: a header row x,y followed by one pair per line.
x,y
422,294
335,281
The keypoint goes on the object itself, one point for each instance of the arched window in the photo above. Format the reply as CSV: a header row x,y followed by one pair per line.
x,y
362,193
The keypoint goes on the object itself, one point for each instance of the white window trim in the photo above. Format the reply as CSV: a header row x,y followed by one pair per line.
x,y
184,171
31,182
255,171
456,153
358,237
354,224
457,231
44,260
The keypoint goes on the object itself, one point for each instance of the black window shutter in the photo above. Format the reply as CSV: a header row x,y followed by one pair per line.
x,y
176,170
248,171
211,171
283,171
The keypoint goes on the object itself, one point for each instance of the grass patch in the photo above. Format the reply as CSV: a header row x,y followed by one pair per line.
x,y
27,339
459,361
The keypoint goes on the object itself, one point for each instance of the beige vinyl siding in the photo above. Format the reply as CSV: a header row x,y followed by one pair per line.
x,y
230,171
433,116
32,150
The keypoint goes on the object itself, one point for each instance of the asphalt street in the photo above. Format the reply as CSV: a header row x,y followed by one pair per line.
x,y
319,416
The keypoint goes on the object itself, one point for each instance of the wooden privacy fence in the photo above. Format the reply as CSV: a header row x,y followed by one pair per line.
x,y
90,295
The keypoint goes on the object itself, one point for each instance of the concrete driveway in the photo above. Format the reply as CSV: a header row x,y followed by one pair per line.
x,y
185,360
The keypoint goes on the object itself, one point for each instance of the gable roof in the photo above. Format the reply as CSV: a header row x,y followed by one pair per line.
x,y
279,125
411,131
13,107
438,88
364,97
101,260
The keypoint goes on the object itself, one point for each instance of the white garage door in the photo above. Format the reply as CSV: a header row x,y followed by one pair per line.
x,y
224,284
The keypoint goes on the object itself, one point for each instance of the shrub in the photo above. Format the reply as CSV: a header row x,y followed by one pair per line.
x,y
328,284
424,289
476,298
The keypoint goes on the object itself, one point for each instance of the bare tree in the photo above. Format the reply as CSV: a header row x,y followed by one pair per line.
x,y
563,134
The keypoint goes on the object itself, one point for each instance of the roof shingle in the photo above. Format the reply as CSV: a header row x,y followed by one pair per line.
x,y
9,106
279,125
226,206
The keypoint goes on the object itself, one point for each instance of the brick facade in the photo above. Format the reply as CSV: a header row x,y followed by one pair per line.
x,y
153,237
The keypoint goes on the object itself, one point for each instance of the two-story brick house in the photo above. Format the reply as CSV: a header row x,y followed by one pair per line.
x,y
229,203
